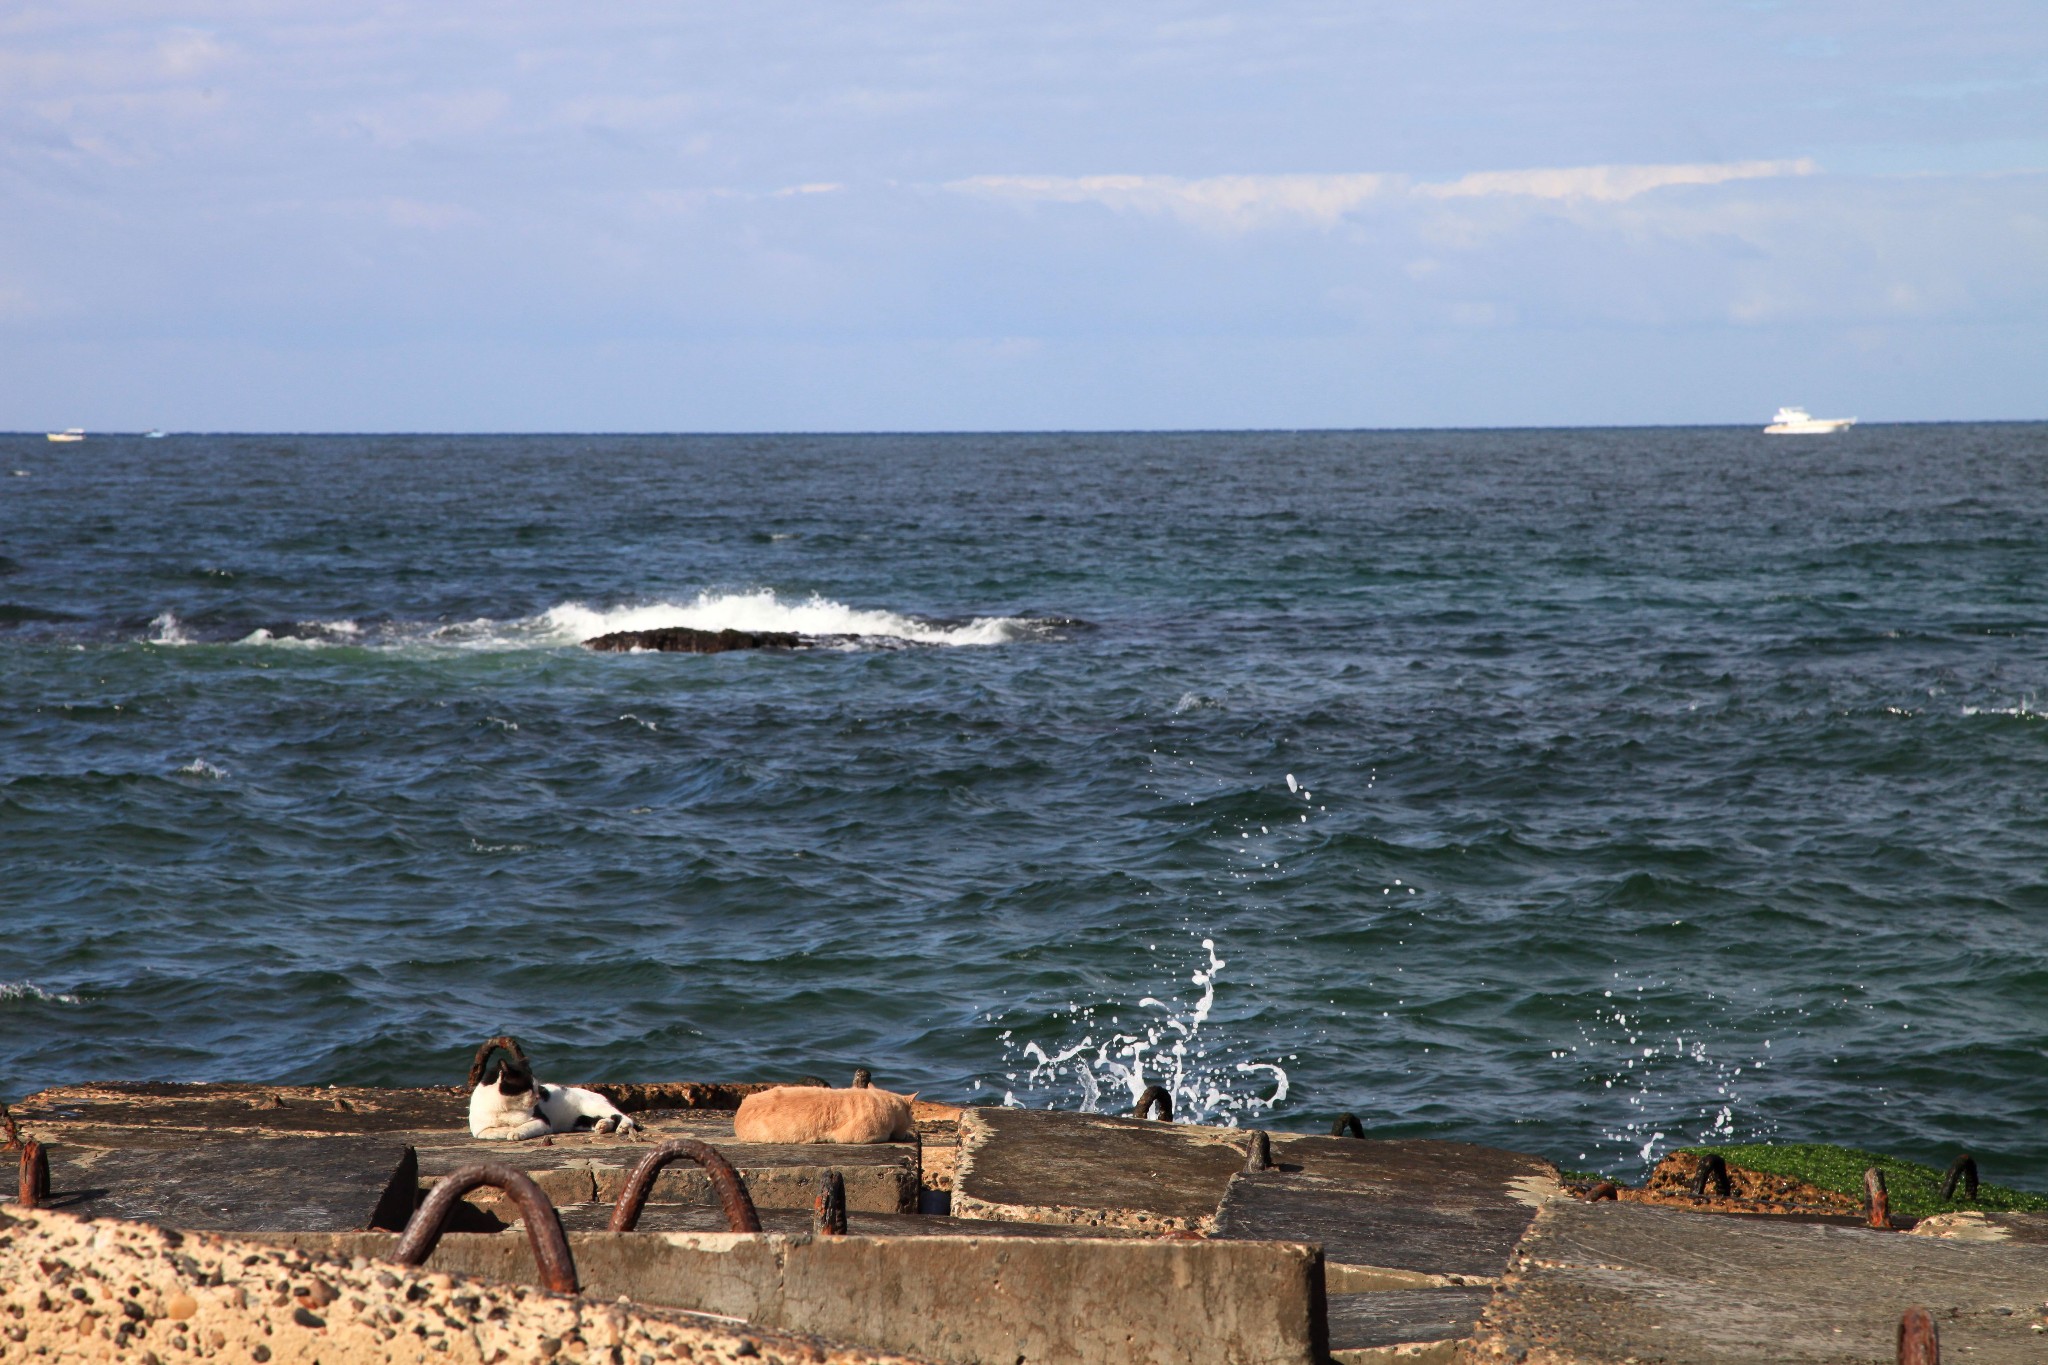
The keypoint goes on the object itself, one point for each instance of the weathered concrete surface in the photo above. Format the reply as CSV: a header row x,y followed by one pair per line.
x,y
95,1293
319,1184
2027,1229
973,1300
797,1222
1043,1166
1447,1209
1404,1317
1608,1283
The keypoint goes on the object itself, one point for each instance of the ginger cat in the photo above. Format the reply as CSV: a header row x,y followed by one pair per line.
x,y
810,1113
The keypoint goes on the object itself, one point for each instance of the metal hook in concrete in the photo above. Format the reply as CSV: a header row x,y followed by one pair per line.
x,y
1347,1123
1880,1201
725,1183
1963,1168
35,1175
7,1122
862,1078
1713,1168
1258,1153
1606,1189
1155,1096
543,1226
828,1212
503,1042
1919,1343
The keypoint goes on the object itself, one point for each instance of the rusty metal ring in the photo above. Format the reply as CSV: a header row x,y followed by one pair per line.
x,y
1713,1168
1919,1343
1963,1168
1155,1096
543,1225
483,1056
862,1078
35,1175
1258,1153
1347,1123
1880,1209
1606,1189
828,1211
725,1183
7,1122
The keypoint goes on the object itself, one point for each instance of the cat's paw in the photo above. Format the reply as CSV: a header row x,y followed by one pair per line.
x,y
608,1124
532,1128
628,1127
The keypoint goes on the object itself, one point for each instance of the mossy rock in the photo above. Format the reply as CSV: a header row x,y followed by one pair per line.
x,y
1914,1190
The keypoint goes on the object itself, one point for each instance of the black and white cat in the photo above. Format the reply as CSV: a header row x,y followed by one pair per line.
x,y
509,1105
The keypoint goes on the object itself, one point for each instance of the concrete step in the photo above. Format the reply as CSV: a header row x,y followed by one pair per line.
x,y
1609,1283
316,1183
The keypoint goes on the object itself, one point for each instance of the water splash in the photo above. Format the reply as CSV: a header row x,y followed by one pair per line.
x,y
11,991
199,767
1107,1068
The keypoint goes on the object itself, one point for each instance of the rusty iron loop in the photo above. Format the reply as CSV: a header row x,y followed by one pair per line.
x,y
543,1225
1963,1168
1155,1096
1258,1152
725,1183
1347,1124
35,1175
1713,1168
7,1122
1606,1189
483,1056
862,1078
828,1212
1880,1201
1919,1343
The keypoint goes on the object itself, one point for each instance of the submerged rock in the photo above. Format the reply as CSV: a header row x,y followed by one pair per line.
x,y
684,640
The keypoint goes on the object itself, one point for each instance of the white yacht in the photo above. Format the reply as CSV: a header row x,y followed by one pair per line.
x,y
68,435
1799,422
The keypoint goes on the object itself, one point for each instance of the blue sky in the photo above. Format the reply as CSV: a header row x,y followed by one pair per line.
x,y
845,216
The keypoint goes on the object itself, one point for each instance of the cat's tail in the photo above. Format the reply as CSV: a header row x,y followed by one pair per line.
x,y
502,1043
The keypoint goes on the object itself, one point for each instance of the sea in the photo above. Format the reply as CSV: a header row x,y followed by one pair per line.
x,y
1582,792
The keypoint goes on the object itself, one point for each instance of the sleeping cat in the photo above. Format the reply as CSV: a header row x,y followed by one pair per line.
x,y
809,1113
509,1105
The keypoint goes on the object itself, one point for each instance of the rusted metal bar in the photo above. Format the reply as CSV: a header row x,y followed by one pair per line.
x,y
7,1124
543,1226
1880,1202
1606,1189
725,1183
1963,1168
503,1042
1919,1343
1155,1096
35,1175
1713,1168
862,1078
828,1213
1347,1123
1258,1152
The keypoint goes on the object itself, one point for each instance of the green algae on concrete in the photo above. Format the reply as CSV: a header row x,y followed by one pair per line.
x,y
1914,1190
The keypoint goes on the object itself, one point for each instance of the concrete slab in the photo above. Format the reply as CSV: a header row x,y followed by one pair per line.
x,y
1609,1283
1404,1317
115,1293
1451,1210
1045,1166
328,1183
972,1300
797,1222
2028,1229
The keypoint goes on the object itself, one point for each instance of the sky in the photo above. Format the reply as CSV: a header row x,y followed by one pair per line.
x,y
797,215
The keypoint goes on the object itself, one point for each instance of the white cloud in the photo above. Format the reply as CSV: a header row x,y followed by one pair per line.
x,y
1236,203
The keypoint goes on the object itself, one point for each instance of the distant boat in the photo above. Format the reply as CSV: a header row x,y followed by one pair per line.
x,y
70,434
153,434
1799,422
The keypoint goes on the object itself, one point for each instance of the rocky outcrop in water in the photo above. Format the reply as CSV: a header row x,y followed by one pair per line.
x,y
684,640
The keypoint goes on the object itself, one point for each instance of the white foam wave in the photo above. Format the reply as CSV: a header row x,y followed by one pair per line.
x,y
166,629
199,767
29,990
764,610
2025,710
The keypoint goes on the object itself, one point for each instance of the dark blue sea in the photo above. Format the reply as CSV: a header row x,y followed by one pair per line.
x,y
1581,792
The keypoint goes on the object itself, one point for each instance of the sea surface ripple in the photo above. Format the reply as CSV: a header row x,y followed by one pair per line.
x,y
1582,792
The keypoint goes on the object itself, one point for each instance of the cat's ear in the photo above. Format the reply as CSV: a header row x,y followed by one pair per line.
x,y
911,1098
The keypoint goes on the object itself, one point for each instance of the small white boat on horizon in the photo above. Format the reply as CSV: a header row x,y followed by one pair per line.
x,y
68,435
153,434
1799,422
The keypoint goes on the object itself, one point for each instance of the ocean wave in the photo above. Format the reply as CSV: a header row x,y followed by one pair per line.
x,y
764,610
11,991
